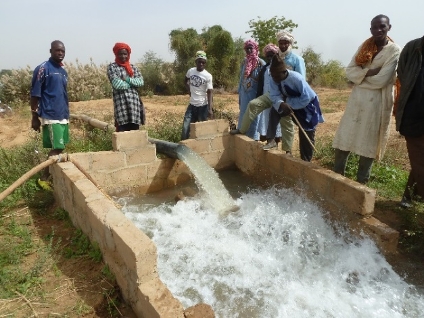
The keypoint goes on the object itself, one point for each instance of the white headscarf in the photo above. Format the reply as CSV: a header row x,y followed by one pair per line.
x,y
284,35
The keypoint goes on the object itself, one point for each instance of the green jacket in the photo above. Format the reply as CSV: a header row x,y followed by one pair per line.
x,y
409,67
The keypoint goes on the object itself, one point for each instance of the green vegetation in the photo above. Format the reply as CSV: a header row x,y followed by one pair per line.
x,y
264,31
22,275
326,74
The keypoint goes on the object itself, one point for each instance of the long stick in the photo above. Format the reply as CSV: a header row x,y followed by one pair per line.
x,y
304,132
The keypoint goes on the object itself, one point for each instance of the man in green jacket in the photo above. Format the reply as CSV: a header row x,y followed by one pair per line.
x,y
410,115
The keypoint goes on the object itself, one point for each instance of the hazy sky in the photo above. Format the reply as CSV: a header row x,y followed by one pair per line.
x,y
90,28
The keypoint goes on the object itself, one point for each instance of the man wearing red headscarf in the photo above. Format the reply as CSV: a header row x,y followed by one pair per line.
x,y
248,84
126,79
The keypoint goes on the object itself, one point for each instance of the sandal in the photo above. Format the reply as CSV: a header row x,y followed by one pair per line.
x,y
45,185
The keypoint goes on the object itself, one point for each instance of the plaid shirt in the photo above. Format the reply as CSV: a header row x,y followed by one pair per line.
x,y
126,101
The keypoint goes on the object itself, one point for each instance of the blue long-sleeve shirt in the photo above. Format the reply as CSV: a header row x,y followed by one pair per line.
x,y
297,91
295,63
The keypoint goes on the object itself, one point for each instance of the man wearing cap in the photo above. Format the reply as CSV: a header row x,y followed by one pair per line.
x,y
199,84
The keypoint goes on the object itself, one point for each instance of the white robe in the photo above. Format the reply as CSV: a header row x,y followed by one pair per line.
x,y
364,127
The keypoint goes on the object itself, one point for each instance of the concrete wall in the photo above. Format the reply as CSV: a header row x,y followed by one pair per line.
x,y
133,167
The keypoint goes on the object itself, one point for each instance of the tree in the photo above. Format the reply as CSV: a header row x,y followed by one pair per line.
x,y
313,63
220,51
331,74
223,54
264,31
184,43
151,69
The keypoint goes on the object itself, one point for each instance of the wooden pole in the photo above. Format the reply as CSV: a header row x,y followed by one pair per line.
x,y
304,132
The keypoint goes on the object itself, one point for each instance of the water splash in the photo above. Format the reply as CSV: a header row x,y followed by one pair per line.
x,y
208,181
276,257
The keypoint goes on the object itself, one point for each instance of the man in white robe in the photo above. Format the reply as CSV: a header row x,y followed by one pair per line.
x,y
364,127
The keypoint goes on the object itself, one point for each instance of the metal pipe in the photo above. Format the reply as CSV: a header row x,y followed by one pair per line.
x,y
167,148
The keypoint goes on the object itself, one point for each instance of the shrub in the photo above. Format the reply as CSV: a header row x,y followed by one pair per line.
x,y
168,127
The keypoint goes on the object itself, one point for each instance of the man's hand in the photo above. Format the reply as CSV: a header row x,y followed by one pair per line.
x,y
373,71
284,109
210,114
35,123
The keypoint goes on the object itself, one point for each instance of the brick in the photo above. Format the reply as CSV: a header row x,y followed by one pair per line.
x,y
133,139
136,175
221,142
273,161
197,145
203,129
156,301
107,160
352,195
212,158
223,126
83,159
386,238
141,156
317,179
292,168
137,251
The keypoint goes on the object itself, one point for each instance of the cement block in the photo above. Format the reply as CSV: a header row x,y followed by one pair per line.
x,y
126,140
244,144
352,195
136,250
155,300
199,311
198,145
317,179
223,127
386,238
212,158
130,176
203,129
107,160
83,159
221,142
141,156
292,168
103,178
160,168
273,161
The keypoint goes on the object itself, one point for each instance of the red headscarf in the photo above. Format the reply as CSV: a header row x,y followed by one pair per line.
x,y
252,58
120,46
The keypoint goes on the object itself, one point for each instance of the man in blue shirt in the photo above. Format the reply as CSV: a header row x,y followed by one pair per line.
x,y
291,95
49,104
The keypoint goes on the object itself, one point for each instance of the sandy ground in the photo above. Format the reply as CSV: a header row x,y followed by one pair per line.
x,y
82,283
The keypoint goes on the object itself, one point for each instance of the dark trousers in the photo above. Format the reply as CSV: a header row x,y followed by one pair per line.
x,y
193,114
128,127
364,167
305,147
415,184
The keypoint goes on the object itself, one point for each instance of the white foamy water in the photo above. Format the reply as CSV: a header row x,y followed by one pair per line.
x,y
275,257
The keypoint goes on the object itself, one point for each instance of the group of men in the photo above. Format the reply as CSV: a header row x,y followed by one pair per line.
x,y
282,97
